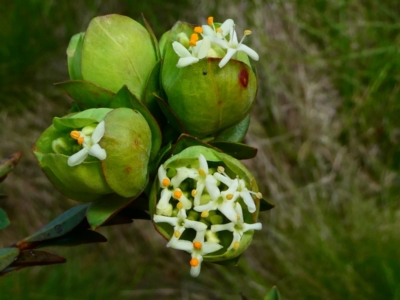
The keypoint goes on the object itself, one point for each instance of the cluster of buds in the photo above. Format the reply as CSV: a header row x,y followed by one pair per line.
x,y
201,209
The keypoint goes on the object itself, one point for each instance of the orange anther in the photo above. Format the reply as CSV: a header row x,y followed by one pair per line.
x,y
165,182
198,29
210,21
178,194
75,134
197,245
194,262
80,140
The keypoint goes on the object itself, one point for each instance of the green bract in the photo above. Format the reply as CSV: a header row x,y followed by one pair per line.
x,y
114,51
206,98
115,158
206,203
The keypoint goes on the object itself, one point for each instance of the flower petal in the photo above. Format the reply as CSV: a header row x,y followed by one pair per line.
x,y
98,152
231,52
208,31
78,157
250,52
248,200
227,26
203,47
181,50
98,133
163,219
186,61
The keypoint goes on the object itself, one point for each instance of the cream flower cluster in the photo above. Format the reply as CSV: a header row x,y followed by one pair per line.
x,y
209,41
205,199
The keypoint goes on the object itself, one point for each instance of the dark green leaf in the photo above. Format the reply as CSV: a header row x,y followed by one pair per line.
x,y
58,227
74,238
273,294
186,141
74,54
87,94
102,210
7,256
149,97
29,258
265,205
8,164
153,37
237,150
124,95
172,118
4,221
236,133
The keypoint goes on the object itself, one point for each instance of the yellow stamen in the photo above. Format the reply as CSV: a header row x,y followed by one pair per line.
x,y
259,195
177,234
193,39
80,140
229,196
194,193
204,214
194,262
165,182
198,29
210,21
178,194
219,30
221,169
236,245
237,217
75,134
247,32
197,245
179,205
201,172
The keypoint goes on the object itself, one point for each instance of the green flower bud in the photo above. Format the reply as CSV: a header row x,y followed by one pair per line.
x,y
207,77
114,51
96,152
227,201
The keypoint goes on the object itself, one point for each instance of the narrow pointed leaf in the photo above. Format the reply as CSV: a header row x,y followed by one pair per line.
x,y
236,133
273,294
153,37
104,209
29,258
186,140
4,221
7,256
156,136
265,205
152,87
87,94
74,238
8,164
74,54
172,118
58,227
237,150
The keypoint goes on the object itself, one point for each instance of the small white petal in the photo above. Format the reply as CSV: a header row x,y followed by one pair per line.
x,y
210,248
208,31
221,227
98,152
227,26
186,61
162,174
98,133
181,50
248,200
211,185
196,225
224,179
227,209
227,57
255,226
250,52
203,163
165,197
163,219
78,157
203,47
181,245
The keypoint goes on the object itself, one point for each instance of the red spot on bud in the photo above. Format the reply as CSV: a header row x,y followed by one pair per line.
x,y
128,170
244,78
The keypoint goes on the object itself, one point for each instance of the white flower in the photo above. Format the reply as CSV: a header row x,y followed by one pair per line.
x,y
190,57
90,145
224,202
222,31
234,46
198,248
238,227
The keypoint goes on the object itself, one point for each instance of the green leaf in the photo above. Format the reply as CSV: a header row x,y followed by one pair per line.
x,y
104,209
87,94
58,227
153,37
172,118
273,294
67,124
7,256
4,221
156,137
74,54
152,87
265,205
237,150
74,238
236,133
186,141
28,258
8,164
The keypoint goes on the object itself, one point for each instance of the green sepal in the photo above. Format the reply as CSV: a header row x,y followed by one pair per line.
x,y
7,256
237,150
74,55
86,94
266,205
273,294
68,124
156,138
236,133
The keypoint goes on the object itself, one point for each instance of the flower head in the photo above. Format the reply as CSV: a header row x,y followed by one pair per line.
x,y
89,139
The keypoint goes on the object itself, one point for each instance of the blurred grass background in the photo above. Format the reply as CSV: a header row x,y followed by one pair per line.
x,y
326,123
